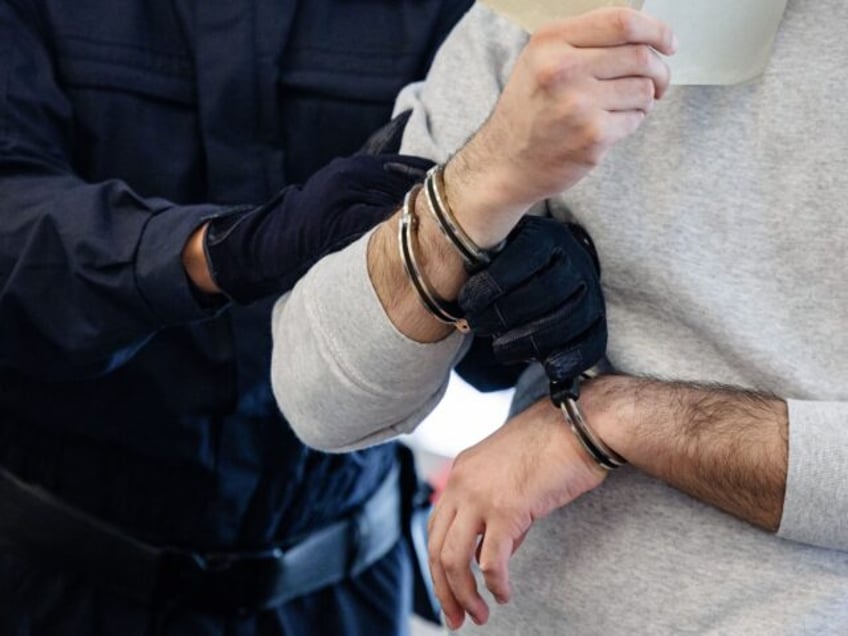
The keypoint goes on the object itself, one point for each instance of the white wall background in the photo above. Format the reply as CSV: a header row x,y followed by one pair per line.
x,y
464,417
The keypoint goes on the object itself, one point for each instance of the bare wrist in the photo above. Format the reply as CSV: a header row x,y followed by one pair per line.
x,y
439,263
479,197
608,403
196,264
568,442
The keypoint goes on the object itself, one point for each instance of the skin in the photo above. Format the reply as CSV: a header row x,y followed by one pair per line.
x,y
579,87
541,467
196,264
725,447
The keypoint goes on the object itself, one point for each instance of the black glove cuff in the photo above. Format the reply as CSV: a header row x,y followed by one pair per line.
x,y
227,257
262,251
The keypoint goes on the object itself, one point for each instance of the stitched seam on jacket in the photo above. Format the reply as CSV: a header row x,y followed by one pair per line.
x,y
126,57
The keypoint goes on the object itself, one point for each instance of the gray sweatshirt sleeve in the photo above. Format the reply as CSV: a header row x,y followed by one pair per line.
x,y
465,81
343,376
815,508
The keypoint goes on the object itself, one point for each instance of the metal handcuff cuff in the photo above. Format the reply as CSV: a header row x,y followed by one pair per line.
x,y
472,256
565,395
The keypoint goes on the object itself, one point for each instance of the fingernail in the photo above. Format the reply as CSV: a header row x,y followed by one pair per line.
x,y
449,622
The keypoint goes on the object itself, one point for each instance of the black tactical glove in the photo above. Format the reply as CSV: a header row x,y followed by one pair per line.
x,y
256,252
540,299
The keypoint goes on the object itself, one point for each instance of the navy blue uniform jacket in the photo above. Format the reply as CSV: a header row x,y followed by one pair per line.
x,y
123,125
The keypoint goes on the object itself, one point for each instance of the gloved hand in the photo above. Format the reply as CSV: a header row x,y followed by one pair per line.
x,y
541,299
253,253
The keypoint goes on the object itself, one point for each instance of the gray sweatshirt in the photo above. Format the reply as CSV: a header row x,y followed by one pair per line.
x,y
721,229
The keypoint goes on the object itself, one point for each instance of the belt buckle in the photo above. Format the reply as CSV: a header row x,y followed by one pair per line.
x,y
222,583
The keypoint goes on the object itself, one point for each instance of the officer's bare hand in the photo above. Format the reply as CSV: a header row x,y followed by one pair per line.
x,y
580,86
497,489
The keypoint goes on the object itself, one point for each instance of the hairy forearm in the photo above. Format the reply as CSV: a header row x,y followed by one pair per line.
x,y
570,98
486,212
723,446
440,265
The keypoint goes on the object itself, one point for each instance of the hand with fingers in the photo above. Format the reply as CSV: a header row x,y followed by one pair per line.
x,y
580,86
261,251
541,299
497,489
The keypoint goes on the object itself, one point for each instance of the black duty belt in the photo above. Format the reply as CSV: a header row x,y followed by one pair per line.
x,y
35,521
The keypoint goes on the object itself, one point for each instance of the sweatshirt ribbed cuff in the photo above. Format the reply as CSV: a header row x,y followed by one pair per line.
x,y
815,509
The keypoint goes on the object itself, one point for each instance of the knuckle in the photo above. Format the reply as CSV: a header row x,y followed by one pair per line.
x,y
452,565
636,121
450,558
457,471
549,68
593,156
550,34
551,72
543,34
573,104
593,132
514,514
569,68
625,23
593,135
461,482
492,571
575,109
645,91
643,57
462,457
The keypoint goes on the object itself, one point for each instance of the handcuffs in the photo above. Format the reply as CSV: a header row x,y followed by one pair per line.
x,y
565,395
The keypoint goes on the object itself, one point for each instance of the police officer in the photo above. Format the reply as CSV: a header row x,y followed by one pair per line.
x,y
148,483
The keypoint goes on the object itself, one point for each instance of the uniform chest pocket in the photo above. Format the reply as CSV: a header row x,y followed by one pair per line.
x,y
135,117
85,64
355,49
